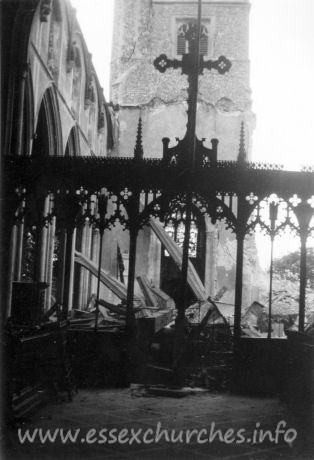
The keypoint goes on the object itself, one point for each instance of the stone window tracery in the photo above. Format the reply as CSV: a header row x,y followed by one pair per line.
x,y
176,232
183,32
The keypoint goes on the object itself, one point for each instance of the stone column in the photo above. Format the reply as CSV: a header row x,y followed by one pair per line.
x,y
42,256
11,264
70,270
19,254
50,254
20,116
14,239
62,266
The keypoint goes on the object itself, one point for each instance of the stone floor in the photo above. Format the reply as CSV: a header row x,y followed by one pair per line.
x,y
131,409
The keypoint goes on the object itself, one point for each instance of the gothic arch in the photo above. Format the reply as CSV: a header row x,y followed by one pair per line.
x,y
28,115
48,138
73,144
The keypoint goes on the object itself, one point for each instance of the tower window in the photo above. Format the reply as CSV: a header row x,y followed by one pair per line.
x,y
187,33
181,40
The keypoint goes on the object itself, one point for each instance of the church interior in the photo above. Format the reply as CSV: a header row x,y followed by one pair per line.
x,y
132,293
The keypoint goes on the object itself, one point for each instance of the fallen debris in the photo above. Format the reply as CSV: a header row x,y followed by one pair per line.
x,y
157,390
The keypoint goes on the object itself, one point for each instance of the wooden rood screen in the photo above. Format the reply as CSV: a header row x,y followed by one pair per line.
x,y
142,190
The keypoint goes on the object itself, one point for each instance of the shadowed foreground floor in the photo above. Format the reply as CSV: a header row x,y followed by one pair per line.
x,y
130,409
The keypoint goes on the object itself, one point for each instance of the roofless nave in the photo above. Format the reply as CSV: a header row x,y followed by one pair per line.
x,y
68,193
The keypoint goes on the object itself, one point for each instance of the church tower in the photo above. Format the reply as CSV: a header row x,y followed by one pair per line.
x,y
144,29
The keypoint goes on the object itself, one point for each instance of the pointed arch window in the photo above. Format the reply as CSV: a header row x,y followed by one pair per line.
x,y
184,32
176,231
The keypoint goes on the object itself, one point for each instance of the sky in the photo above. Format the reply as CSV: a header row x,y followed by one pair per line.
x,y
96,20
282,76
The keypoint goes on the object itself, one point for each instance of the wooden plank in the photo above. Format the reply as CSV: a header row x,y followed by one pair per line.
x,y
150,298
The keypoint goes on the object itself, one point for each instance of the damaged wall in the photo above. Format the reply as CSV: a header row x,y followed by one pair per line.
x,y
143,30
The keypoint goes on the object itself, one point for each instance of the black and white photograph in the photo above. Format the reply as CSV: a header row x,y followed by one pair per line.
x,y
157,229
